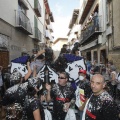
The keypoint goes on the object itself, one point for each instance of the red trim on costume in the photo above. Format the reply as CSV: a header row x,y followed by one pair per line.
x,y
90,114
62,99
82,98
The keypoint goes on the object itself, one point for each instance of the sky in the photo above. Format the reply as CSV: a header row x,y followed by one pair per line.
x,y
62,12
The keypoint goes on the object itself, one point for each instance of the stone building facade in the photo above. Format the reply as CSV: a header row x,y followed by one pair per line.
x,y
22,27
113,25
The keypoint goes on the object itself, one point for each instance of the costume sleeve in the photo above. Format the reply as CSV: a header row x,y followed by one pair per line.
x,y
52,94
35,105
8,99
110,110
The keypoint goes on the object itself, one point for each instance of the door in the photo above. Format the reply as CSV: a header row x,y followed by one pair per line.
x,y
4,58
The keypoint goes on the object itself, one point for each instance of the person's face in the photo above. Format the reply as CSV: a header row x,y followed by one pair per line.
x,y
62,79
77,53
97,85
109,65
81,76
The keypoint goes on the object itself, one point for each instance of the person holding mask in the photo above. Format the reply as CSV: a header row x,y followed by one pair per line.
x,y
85,90
62,95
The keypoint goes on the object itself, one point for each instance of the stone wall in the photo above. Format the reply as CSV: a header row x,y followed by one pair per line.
x,y
116,59
19,41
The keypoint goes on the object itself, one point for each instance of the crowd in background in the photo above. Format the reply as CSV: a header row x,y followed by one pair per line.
x,y
58,98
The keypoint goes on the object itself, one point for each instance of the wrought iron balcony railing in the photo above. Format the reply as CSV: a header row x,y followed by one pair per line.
x,y
37,34
23,22
37,8
93,28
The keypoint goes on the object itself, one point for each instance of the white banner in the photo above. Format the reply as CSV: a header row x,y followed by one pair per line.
x,y
20,68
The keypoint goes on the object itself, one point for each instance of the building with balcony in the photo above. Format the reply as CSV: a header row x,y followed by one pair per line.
x,y
112,31
49,19
74,28
22,25
93,26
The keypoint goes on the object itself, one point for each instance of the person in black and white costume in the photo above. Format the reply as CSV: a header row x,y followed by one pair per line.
x,y
101,105
17,92
32,105
62,95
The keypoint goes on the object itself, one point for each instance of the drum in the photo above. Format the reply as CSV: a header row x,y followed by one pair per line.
x,y
14,112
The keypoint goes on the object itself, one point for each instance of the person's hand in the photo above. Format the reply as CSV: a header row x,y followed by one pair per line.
x,y
48,87
41,52
42,98
80,108
28,63
66,106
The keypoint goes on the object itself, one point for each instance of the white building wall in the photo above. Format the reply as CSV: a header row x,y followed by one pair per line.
x,y
41,20
102,13
30,12
7,10
9,7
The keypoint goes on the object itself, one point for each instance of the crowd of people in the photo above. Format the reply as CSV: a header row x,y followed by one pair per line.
x,y
26,98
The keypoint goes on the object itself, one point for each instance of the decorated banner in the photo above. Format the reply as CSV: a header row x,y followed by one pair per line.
x,y
77,93
20,68
22,59
73,69
19,64
47,74
71,64
80,99
66,62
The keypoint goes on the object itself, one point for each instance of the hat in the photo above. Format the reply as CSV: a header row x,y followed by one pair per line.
x,y
82,71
